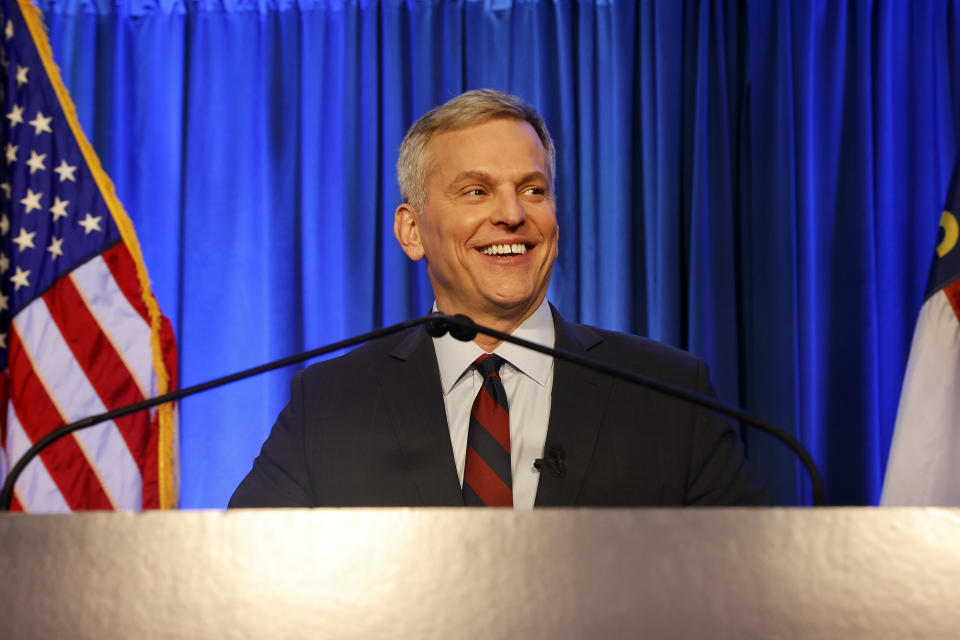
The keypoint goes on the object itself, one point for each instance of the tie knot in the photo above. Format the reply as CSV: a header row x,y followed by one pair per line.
x,y
488,364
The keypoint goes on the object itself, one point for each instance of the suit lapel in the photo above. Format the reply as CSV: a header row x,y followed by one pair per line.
x,y
410,384
578,403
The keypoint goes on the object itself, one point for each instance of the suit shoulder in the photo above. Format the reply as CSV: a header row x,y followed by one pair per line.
x,y
642,355
364,359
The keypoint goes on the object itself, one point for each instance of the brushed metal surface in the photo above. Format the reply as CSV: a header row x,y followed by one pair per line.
x,y
458,573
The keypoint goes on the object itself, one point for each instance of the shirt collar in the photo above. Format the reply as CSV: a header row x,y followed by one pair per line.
x,y
455,357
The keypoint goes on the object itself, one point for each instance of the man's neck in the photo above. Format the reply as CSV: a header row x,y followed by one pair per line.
x,y
498,321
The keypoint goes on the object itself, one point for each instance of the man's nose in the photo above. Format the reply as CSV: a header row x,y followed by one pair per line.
x,y
509,211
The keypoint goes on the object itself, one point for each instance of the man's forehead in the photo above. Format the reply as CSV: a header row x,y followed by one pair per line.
x,y
469,147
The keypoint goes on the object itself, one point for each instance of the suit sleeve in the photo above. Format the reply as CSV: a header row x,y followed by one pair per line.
x,y
719,474
279,477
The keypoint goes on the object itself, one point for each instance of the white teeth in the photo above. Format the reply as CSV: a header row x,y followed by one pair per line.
x,y
504,249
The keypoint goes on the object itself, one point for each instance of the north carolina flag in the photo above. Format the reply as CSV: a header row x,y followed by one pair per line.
x,y
80,330
924,464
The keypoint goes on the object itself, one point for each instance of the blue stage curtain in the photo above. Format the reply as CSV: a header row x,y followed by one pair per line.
x,y
758,182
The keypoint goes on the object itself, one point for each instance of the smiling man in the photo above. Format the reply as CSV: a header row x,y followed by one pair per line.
x,y
414,420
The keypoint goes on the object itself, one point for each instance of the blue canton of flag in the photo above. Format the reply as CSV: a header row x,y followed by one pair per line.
x,y
54,216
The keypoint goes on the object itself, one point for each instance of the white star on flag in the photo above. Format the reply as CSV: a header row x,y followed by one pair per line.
x,y
4,302
25,239
41,124
59,208
36,161
8,30
15,116
5,186
31,201
65,171
91,223
20,278
4,224
55,248
22,75
4,262
11,153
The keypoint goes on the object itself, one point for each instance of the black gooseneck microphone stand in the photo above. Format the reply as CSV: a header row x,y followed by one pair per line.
x,y
460,327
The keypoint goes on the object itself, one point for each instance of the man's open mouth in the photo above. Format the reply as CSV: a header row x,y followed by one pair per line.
x,y
518,249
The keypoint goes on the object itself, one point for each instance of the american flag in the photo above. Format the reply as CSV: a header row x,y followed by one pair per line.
x,y
80,330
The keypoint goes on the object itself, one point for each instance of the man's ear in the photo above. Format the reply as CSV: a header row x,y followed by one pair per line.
x,y
407,231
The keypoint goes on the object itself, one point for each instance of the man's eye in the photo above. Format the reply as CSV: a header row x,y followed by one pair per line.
x,y
535,191
476,191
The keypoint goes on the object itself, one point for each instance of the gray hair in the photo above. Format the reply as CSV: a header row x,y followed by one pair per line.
x,y
472,107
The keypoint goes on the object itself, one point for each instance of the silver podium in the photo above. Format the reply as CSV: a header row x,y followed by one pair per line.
x,y
474,573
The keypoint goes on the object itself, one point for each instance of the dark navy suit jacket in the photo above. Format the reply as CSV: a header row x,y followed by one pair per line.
x,y
370,429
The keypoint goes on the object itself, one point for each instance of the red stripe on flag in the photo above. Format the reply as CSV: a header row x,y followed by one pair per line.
x,y
107,372
150,472
124,271
4,396
64,459
953,295
15,503
485,482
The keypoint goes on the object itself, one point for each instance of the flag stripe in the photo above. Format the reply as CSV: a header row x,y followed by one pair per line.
x,y
118,319
953,295
35,481
36,415
106,370
120,263
55,364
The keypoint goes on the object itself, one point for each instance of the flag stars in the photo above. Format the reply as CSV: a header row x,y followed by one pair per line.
x,y
41,124
59,208
5,187
65,171
20,278
55,248
4,262
4,224
36,162
8,30
4,302
91,223
15,116
3,341
25,239
11,153
22,75
32,200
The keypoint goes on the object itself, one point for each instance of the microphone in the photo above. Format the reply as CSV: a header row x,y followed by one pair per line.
x,y
467,325
464,329
554,463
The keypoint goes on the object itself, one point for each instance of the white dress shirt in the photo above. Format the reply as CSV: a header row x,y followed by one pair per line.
x,y
528,380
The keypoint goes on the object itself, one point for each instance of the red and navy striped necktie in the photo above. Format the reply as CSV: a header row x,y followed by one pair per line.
x,y
486,475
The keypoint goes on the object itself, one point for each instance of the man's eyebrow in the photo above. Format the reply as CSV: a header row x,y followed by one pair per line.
x,y
467,176
483,176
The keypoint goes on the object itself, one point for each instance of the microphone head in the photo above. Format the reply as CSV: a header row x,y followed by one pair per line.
x,y
465,331
436,325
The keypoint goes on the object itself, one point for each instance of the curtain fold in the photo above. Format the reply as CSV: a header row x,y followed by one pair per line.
x,y
757,182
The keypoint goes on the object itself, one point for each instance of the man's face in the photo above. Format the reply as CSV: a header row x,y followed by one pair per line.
x,y
488,228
